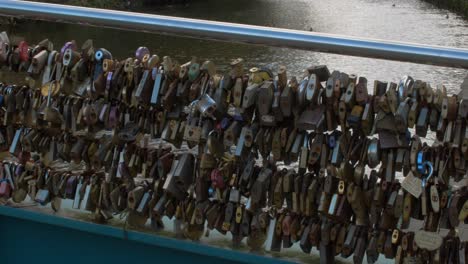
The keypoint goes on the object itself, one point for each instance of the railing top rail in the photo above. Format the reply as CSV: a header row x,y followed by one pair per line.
x,y
330,43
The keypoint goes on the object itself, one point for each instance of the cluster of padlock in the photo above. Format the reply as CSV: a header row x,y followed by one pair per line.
x,y
276,160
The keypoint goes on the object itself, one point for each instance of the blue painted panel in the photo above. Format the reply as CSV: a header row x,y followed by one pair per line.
x,y
28,241
29,237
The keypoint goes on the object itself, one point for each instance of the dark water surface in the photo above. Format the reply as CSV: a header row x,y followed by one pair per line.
x,y
409,20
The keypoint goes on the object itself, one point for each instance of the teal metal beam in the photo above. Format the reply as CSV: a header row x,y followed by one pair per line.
x,y
29,237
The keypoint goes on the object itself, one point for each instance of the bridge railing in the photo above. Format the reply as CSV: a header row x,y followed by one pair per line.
x,y
222,31
65,236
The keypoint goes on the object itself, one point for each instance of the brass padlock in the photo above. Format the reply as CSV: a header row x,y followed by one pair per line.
x,y
449,108
237,92
237,69
232,133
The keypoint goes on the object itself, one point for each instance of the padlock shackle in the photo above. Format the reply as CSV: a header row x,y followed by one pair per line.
x,y
240,33
428,174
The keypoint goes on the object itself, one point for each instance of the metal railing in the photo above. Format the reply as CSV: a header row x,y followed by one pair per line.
x,y
345,45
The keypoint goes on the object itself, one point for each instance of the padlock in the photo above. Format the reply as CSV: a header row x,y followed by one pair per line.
x,y
449,108
349,97
232,133
354,118
224,182
286,100
172,186
143,91
367,121
4,46
312,89
250,95
158,82
361,92
206,105
423,122
312,119
401,115
265,96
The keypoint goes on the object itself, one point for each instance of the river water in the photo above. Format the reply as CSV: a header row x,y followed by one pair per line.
x,y
408,20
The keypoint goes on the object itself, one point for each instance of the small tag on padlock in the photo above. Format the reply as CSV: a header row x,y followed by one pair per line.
x,y
428,240
412,185
414,225
463,232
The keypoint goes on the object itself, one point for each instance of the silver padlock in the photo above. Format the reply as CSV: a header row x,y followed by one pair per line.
x,y
206,106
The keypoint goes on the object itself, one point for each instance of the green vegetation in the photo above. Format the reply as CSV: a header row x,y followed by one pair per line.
x,y
116,4
111,4
98,3
459,6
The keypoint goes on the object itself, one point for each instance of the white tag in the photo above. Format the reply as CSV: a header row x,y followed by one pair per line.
x,y
412,185
463,232
428,240
267,118
443,232
414,225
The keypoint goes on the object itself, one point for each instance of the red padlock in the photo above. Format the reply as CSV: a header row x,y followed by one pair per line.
x,y
217,179
23,49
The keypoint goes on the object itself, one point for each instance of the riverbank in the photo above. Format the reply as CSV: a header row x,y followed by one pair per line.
x,y
458,6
